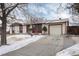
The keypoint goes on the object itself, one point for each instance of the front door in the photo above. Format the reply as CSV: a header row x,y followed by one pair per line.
x,y
20,28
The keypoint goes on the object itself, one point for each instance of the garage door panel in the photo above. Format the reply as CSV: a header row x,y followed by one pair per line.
x,y
55,29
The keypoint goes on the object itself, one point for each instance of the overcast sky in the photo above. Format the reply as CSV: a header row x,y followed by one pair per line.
x,y
49,11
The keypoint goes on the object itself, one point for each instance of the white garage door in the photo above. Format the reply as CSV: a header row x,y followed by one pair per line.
x,y
55,30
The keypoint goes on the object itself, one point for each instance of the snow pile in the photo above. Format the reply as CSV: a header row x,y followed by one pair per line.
x,y
71,51
11,39
19,44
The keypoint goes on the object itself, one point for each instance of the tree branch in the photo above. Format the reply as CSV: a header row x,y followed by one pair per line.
x,y
11,9
8,8
0,18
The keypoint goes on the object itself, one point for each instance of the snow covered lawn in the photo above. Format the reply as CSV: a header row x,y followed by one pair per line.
x,y
11,39
71,51
18,41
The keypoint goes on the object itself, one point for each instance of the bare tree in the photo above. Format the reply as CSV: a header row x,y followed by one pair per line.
x,y
5,10
73,10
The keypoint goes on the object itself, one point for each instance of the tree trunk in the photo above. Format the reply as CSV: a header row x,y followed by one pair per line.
x,y
3,32
4,15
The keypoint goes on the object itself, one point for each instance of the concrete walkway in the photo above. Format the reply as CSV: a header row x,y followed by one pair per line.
x,y
48,46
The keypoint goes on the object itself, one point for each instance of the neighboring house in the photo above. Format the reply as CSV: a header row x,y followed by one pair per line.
x,y
73,29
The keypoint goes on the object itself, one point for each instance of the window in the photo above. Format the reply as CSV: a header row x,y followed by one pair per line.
x,y
37,28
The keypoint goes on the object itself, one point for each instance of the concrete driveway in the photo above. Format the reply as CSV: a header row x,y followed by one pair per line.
x,y
47,46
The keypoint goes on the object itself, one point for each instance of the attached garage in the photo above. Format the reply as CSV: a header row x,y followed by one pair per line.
x,y
58,28
55,29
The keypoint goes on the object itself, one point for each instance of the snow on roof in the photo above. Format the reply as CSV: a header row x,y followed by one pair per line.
x,y
46,21
18,22
55,21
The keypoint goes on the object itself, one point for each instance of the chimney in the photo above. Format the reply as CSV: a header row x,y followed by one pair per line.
x,y
59,18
